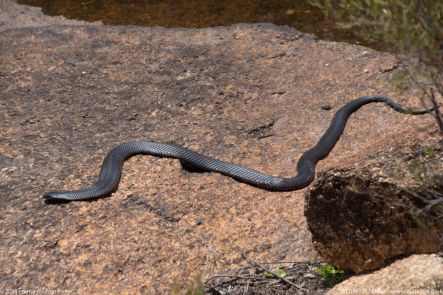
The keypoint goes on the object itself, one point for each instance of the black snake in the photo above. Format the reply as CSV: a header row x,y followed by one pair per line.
x,y
110,172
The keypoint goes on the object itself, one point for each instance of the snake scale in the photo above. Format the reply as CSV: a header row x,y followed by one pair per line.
x,y
110,172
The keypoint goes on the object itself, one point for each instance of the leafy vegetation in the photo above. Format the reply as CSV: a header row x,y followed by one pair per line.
x,y
411,27
331,275
192,288
280,272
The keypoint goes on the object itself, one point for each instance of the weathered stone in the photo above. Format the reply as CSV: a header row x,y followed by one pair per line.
x,y
362,217
250,94
417,274
13,15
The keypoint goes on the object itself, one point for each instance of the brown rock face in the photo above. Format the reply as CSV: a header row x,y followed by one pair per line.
x,y
418,274
249,94
361,218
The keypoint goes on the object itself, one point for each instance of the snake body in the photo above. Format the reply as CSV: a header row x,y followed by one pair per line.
x,y
110,172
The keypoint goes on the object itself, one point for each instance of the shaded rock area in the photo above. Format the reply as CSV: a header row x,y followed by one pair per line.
x,y
364,216
417,274
249,94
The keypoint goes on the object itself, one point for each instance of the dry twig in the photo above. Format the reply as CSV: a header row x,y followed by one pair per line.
x,y
260,266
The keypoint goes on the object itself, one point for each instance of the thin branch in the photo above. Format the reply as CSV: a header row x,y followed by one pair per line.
x,y
437,84
415,79
258,265
438,116
419,85
280,262
435,198
234,278
431,95
425,21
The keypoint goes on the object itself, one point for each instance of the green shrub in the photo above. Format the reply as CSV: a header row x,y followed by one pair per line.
x,y
411,27
331,275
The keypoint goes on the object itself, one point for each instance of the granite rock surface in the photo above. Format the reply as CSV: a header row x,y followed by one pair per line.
x,y
249,94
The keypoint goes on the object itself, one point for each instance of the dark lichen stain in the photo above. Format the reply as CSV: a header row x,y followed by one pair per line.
x,y
360,224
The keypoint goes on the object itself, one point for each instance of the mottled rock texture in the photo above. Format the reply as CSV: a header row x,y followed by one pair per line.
x,y
364,216
250,94
417,274
13,15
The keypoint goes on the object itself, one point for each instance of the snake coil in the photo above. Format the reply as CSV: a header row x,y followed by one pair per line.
x,y
110,172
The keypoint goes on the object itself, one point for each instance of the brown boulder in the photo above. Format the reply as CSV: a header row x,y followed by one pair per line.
x,y
364,216
417,274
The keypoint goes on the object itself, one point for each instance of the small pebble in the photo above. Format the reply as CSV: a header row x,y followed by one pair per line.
x,y
326,107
